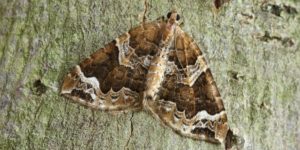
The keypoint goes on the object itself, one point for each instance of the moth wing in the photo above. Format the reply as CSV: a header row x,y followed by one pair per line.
x,y
188,100
113,77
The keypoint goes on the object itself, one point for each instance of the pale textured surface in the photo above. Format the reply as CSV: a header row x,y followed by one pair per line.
x,y
258,76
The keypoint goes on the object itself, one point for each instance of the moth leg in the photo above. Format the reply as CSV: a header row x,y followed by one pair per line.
x,y
146,5
86,91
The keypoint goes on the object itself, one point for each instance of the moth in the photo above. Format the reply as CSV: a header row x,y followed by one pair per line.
x,y
159,68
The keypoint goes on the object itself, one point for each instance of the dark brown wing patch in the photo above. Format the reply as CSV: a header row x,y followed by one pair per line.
x,y
147,42
201,96
114,77
184,51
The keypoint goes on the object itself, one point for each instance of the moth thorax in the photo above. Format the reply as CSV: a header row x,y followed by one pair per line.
x,y
156,74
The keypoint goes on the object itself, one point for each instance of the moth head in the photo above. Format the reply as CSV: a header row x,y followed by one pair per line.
x,y
173,17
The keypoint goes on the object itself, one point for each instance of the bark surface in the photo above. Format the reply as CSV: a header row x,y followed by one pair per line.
x,y
252,48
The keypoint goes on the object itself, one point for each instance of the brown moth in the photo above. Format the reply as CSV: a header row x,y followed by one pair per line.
x,y
159,68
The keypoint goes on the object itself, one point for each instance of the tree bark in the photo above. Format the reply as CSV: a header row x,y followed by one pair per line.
x,y
252,48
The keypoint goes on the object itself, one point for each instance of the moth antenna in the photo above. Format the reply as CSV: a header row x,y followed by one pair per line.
x,y
146,5
161,18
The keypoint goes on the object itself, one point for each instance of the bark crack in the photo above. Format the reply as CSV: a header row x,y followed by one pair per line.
x,y
131,133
